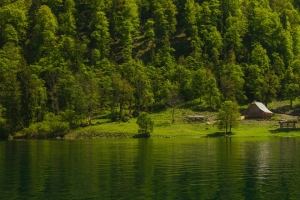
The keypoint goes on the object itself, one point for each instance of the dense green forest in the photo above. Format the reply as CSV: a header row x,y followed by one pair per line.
x,y
65,61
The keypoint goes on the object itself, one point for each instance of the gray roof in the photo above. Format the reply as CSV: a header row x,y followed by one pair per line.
x,y
262,107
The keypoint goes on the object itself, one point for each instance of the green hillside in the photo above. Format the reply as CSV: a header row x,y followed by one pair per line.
x,y
64,63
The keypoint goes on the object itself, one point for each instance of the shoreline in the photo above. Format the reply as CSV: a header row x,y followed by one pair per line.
x,y
182,128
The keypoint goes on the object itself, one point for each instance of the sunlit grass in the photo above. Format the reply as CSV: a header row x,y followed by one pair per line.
x,y
182,128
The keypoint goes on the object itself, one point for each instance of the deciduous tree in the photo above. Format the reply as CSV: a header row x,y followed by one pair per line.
x,y
229,116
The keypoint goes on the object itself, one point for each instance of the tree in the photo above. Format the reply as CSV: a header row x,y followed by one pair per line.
x,y
66,19
291,87
254,81
45,29
207,22
129,27
266,28
89,79
191,9
278,65
145,124
100,36
157,80
3,132
260,57
236,28
296,40
173,100
135,72
69,95
270,87
10,96
232,82
212,93
165,19
13,21
199,83
122,94
184,79
229,116
33,93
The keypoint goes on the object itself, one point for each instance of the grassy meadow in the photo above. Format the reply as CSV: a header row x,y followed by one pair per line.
x,y
163,128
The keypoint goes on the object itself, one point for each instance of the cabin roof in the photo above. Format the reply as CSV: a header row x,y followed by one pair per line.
x,y
262,107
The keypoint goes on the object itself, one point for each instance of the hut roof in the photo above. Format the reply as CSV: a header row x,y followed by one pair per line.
x,y
262,107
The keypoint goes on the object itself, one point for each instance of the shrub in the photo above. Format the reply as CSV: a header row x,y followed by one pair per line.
x,y
114,116
126,117
145,124
51,127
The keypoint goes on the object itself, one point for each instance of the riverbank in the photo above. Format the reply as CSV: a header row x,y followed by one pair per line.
x,y
163,128
184,126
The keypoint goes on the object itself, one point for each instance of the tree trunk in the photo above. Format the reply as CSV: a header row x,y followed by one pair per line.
x,y
210,101
266,102
130,106
121,110
138,106
173,113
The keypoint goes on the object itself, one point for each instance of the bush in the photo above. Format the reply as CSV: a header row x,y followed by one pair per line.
x,y
145,124
126,117
114,116
51,127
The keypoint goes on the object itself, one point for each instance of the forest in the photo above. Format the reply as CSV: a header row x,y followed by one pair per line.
x,y
62,62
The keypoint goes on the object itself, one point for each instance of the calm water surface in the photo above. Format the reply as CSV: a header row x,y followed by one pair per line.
x,y
237,168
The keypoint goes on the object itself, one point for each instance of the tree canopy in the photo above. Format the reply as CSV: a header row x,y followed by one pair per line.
x,y
228,116
77,58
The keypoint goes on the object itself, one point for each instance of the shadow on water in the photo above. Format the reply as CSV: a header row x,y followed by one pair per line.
x,y
284,130
219,134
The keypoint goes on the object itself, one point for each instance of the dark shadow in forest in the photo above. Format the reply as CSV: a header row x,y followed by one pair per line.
x,y
196,106
293,111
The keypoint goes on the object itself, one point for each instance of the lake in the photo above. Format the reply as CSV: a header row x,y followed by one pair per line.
x,y
206,168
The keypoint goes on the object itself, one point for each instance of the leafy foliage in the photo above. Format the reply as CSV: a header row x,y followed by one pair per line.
x,y
145,124
77,59
52,126
229,116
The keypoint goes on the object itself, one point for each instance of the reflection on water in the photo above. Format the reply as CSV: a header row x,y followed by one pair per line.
x,y
220,168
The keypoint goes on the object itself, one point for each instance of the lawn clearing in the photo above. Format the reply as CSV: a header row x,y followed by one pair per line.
x,y
163,128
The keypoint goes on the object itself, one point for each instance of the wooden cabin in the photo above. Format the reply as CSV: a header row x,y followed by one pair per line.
x,y
258,110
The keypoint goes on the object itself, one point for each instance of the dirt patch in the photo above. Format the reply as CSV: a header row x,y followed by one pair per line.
x,y
272,121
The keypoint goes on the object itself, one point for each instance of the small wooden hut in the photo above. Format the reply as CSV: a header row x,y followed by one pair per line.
x,y
257,110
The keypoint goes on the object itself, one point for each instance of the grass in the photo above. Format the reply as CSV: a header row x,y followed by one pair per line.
x,y
163,128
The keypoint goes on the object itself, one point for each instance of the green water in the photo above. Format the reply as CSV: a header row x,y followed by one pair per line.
x,y
248,168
